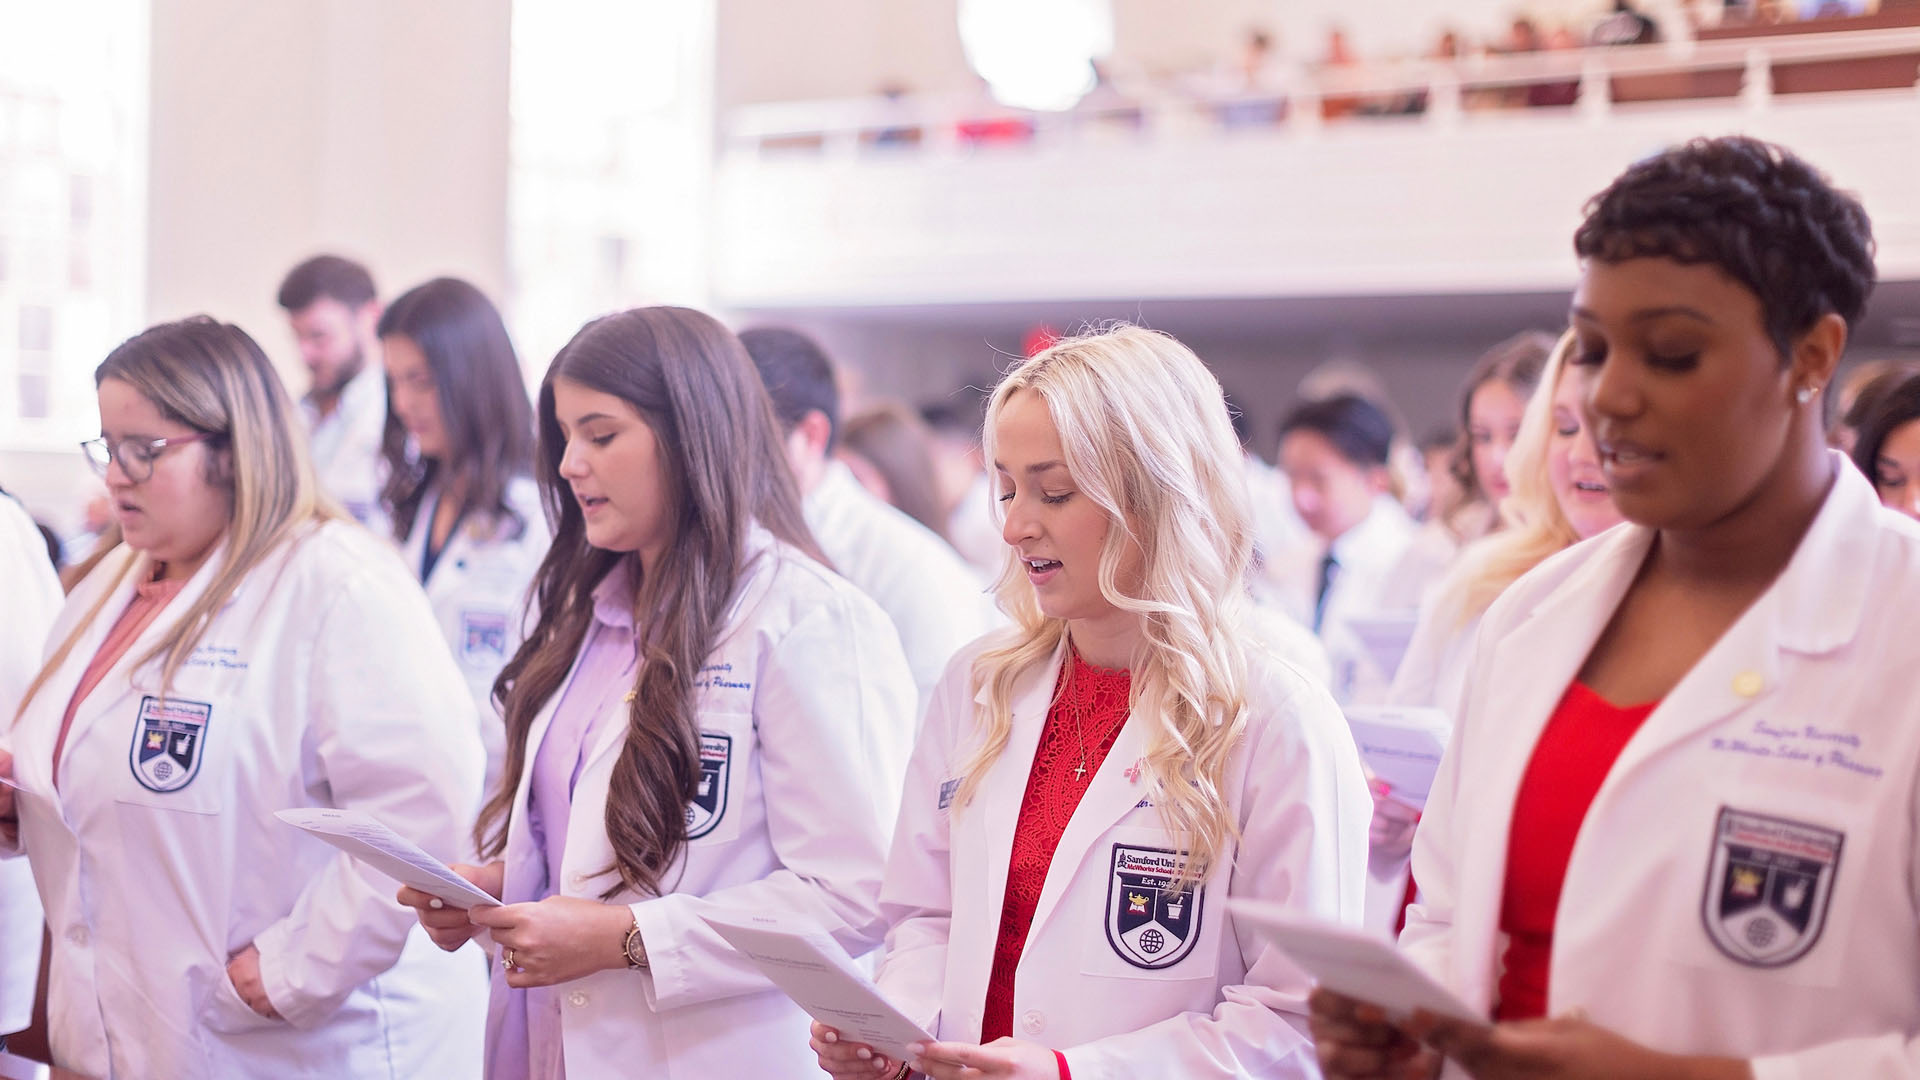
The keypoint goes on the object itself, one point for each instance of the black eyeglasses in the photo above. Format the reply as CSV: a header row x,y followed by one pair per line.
x,y
134,455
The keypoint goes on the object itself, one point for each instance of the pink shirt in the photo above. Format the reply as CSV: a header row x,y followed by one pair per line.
x,y
149,599
592,699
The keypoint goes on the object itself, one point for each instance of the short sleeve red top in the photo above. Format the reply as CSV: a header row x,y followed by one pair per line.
x,y
1577,749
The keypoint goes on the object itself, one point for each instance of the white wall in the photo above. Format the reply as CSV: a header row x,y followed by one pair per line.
x,y
375,128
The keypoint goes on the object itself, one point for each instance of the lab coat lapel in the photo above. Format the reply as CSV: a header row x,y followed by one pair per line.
x,y
112,700
1531,666
1539,658
1114,790
1004,786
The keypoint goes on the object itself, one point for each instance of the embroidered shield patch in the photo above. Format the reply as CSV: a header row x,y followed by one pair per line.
x,y
1768,886
483,637
709,803
168,739
1149,924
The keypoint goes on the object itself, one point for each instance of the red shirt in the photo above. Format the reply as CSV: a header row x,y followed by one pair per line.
x,y
1090,708
1577,749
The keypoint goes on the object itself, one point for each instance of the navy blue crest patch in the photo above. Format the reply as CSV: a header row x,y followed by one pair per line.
x,y
1768,886
947,788
168,742
1149,924
709,803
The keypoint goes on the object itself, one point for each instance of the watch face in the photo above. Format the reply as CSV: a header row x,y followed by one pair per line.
x,y
636,949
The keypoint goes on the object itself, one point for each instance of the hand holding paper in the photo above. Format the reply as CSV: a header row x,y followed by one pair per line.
x,y
375,844
1401,747
1353,962
812,969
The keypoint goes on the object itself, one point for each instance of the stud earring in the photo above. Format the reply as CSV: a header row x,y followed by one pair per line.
x,y
1805,394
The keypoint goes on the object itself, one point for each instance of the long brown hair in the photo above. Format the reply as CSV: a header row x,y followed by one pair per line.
x,y
690,380
483,408
1517,362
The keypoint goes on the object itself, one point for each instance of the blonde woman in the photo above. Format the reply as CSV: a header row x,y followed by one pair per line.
x,y
1557,497
244,651
1093,784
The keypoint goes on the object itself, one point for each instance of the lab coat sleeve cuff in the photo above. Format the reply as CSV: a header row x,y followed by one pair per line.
x,y
300,1011
666,975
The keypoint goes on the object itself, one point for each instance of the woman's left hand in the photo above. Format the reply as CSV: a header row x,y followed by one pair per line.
x,y
1562,1049
243,971
1015,1059
558,939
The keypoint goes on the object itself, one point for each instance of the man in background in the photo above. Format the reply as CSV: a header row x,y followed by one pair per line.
x,y
335,311
936,603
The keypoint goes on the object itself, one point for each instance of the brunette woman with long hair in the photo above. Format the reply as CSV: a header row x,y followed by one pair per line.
x,y
460,490
702,718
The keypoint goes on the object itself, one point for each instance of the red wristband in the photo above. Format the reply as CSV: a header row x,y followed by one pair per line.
x,y
1060,1059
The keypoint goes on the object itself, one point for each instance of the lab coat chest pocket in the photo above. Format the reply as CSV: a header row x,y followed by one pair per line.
x,y
727,756
1133,924
1785,874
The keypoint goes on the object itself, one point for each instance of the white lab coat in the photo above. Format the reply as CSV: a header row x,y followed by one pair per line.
x,y
1427,558
478,590
804,699
1434,671
346,445
322,683
1229,1004
936,602
1784,764
1278,532
1289,640
33,599
1432,675
976,533
1366,585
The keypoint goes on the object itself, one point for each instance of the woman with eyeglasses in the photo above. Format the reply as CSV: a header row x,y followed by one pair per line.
x,y
246,650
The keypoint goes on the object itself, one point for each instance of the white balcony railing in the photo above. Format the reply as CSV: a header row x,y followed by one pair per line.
x,y
833,204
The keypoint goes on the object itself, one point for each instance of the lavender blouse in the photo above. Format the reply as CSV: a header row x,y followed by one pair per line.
x,y
593,698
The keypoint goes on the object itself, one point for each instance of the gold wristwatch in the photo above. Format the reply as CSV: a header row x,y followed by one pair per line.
x,y
636,949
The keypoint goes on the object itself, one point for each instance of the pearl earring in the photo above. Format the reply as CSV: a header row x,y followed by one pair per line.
x,y
1805,394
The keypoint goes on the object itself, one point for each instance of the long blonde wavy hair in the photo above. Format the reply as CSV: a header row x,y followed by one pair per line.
x,y
1533,525
213,378
1146,437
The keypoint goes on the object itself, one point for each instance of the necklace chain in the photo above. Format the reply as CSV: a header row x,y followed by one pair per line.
x,y
1079,735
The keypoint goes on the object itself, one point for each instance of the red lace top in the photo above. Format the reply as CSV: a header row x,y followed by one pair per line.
x,y
1089,704
1577,749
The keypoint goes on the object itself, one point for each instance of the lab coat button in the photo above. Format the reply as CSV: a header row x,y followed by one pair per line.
x,y
1033,1022
78,935
1748,683
577,999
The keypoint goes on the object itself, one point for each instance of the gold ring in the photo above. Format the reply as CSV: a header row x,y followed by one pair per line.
x,y
506,958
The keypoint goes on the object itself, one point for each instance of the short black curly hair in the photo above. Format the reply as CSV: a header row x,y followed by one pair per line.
x,y
1760,214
